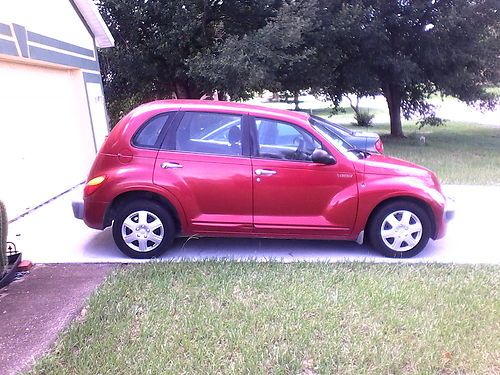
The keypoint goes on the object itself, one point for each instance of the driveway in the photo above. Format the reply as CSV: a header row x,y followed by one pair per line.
x,y
51,235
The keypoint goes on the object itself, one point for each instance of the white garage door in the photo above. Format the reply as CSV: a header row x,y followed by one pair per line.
x,y
46,140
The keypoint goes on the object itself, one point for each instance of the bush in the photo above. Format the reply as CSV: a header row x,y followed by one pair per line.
x,y
364,119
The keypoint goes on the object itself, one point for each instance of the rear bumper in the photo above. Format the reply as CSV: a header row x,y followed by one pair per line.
x,y
77,206
92,213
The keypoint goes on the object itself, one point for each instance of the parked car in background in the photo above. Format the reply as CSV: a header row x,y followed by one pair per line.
x,y
361,140
179,168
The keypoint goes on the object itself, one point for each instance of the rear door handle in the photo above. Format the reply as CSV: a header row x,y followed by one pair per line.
x,y
169,165
264,172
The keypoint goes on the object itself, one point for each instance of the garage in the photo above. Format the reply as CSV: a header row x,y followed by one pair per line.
x,y
49,144
52,109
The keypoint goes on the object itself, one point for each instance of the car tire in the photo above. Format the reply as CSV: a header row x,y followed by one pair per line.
x,y
400,229
143,229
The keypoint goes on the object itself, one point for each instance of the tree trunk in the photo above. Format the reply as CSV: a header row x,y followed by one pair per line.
x,y
296,100
183,90
222,96
392,94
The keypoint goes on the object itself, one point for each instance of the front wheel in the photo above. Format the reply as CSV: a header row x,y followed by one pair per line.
x,y
400,229
143,229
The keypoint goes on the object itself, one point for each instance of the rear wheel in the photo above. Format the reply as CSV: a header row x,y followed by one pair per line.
x,y
400,229
143,229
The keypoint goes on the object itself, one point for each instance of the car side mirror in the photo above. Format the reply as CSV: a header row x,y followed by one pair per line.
x,y
322,157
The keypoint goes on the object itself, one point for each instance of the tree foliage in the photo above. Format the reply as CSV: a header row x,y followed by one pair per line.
x,y
275,57
409,50
405,50
155,41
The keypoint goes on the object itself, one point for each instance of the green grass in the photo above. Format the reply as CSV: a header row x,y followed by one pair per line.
x,y
459,153
274,318
494,90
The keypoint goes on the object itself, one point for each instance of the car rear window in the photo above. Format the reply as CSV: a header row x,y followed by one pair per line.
x,y
148,134
337,127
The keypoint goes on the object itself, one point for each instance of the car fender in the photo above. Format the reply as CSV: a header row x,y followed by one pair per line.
x,y
124,187
373,192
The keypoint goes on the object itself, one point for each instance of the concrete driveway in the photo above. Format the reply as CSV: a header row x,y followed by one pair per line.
x,y
51,235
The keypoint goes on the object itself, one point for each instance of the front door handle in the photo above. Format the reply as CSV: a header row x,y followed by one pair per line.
x,y
169,165
264,172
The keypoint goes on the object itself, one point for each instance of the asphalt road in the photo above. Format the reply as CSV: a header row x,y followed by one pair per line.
x,y
51,235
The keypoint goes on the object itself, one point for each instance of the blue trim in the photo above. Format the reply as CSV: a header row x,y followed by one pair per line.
x,y
8,47
5,29
51,42
63,59
92,78
22,39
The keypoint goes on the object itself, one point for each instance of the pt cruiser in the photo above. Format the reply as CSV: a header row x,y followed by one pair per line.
x,y
186,167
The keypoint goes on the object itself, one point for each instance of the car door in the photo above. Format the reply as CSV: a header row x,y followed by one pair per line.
x,y
204,162
292,195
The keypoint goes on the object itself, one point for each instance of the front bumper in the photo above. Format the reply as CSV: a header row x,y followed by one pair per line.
x,y
449,209
448,214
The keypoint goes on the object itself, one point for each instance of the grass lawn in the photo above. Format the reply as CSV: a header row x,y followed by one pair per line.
x,y
460,153
274,318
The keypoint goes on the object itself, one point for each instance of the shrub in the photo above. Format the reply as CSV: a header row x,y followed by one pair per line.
x,y
364,119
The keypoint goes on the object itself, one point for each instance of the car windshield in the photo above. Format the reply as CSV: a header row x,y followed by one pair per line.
x,y
325,128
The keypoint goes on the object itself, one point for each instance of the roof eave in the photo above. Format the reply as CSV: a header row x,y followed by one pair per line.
x,y
89,11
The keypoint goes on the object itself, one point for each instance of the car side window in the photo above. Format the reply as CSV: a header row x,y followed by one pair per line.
x,y
281,140
148,134
209,133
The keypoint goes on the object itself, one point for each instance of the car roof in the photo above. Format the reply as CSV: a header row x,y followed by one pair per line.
x,y
211,105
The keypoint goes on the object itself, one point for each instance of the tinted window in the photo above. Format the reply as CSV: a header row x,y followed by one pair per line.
x,y
209,133
280,140
148,134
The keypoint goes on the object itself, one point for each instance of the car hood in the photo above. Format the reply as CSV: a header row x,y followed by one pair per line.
x,y
384,165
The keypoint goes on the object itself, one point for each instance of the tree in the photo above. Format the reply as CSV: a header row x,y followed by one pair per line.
x,y
405,50
409,50
276,57
155,41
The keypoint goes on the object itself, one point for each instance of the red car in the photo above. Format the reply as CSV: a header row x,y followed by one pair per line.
x,y
178,168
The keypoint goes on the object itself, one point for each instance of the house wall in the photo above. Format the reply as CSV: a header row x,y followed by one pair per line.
x,y
52,110
62,39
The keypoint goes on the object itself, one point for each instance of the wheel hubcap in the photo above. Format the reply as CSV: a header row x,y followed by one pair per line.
x,y
142,231
401,230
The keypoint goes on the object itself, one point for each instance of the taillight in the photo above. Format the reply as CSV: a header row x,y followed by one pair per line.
x,y
93,184
379,146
